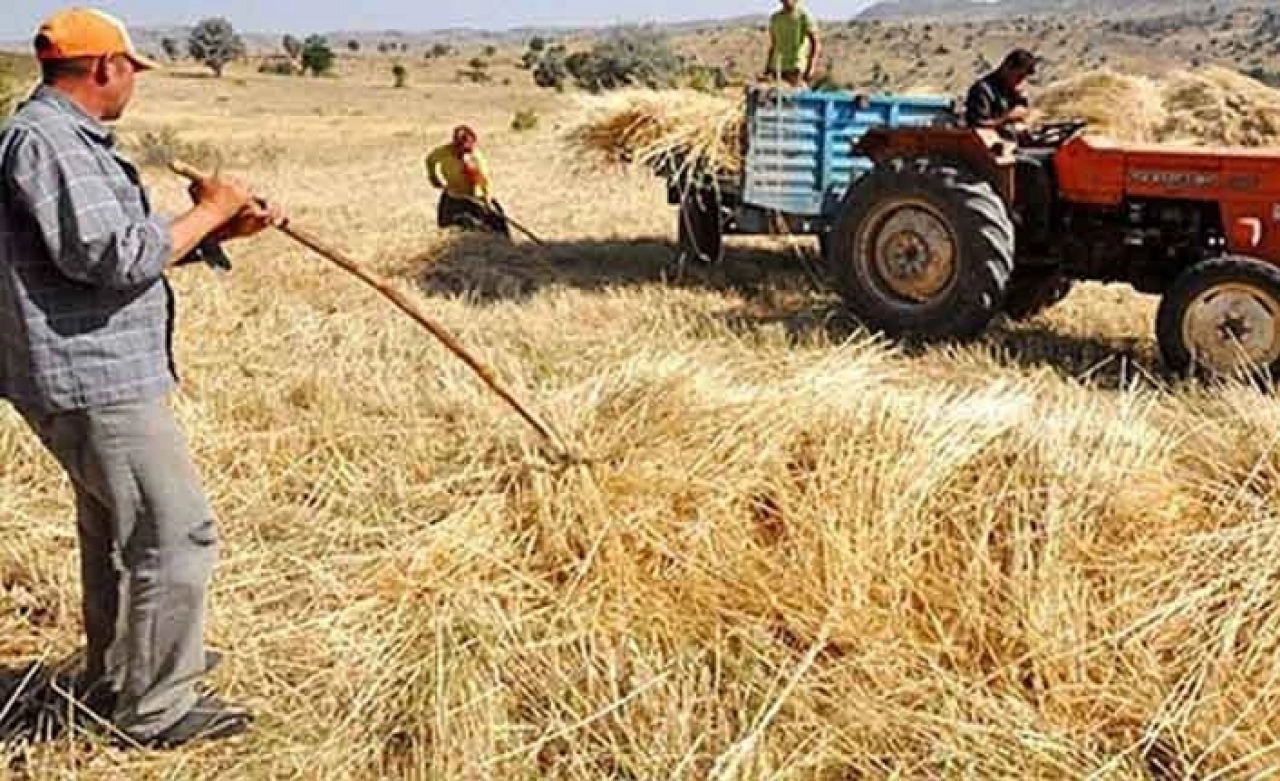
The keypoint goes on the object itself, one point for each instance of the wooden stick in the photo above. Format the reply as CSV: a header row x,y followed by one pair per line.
x,y
409,307
530,234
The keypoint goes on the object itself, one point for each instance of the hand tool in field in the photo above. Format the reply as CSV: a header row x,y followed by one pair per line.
x,y
488,207
384,287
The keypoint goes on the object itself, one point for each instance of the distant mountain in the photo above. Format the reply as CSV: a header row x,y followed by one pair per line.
x,y
998,9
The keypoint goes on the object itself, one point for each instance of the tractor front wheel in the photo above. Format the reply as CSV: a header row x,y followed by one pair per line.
x,y
923,250
1222,317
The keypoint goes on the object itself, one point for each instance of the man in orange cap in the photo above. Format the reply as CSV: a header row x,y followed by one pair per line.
x,y
458,169
85,356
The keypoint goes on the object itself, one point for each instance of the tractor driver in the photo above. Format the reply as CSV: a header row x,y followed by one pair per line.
x,y
998,101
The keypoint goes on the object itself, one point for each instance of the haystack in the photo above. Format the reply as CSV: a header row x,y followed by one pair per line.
x,y
682,133
1115,104
1214,106
1220,106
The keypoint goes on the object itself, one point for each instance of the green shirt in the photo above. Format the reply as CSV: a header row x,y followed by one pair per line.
x,y
790,31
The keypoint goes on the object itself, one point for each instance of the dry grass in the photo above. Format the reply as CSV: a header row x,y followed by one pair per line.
x,y
683,132
1209,106
801,554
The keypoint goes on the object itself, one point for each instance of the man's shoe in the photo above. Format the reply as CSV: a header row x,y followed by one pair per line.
x,y
210,719
97,702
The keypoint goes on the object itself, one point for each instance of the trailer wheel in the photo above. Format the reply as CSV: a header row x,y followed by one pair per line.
x,y
701,234
1222,317
923,250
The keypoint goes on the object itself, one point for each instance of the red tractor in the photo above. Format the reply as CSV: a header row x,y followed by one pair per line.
x,y
954,227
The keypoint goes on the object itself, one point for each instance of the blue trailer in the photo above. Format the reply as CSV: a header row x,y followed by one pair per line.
x,y
799,163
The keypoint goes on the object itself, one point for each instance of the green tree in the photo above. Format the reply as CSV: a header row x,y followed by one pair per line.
x,y
214,43
317,57
631,57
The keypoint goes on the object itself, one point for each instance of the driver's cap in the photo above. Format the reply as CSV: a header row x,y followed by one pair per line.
x,y
87,32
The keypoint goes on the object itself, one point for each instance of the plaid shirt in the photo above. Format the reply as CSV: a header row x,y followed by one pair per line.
x,y
86,315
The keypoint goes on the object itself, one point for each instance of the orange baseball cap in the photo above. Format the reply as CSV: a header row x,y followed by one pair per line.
x,y
87,32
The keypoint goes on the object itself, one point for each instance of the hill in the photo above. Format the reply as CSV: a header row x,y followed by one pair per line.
x,y
1003,9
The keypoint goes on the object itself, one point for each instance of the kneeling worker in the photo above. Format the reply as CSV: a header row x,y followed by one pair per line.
x,y
459,170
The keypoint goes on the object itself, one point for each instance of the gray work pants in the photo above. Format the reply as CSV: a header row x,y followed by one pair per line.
x,y
147,547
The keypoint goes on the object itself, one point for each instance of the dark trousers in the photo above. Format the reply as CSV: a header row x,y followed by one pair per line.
x,y
472,215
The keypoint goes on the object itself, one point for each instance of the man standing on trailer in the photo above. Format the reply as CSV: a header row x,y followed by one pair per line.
x,y
794,47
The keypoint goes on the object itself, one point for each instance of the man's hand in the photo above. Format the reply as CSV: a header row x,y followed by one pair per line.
x,y
252,220
223,198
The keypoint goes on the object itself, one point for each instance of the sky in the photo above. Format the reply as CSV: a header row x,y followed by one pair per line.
x,y
20,18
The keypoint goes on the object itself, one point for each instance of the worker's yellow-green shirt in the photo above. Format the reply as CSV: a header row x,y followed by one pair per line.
x,y
445,167
789,32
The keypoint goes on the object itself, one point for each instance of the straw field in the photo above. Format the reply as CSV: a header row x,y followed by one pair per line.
x,y
798,552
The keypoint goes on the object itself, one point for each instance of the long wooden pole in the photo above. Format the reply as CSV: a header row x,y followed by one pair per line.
x,y
410,308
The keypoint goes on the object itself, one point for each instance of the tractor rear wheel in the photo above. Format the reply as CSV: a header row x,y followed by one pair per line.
x,y
700,231
923,250
1222,317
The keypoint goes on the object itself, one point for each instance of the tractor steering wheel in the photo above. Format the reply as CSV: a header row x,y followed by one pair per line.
x,y
1053,134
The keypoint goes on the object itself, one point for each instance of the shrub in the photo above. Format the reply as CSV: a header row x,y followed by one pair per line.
x,y
630,57
172,49
214,43
353,45
292,47
477,64
490,51
704,78
525,119
475,76
537,44
441,50
158,148
317,57
278,68
551,72
8,94
401,75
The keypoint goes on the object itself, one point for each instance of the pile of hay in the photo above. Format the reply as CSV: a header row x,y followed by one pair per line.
x,y
1210,106
688,135
1114,104
681,133
1220,106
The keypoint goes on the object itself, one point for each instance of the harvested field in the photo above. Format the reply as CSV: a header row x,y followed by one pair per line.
x,y
800,553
